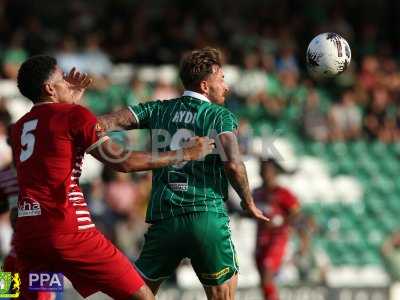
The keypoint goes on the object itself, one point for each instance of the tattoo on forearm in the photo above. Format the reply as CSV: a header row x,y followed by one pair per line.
x,y
122,119
235,169
240,183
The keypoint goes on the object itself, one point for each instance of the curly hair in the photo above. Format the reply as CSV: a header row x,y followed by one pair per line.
x,y
33,73
197,65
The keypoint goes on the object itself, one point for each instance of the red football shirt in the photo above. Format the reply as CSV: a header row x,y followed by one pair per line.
x,y
49,143
276,204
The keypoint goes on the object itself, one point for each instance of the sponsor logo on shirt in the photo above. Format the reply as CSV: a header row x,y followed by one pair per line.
x,y
100,132
216,275
178,181
29,208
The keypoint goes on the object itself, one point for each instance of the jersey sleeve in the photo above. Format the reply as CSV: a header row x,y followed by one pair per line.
x,y
83,128
225,122
143,112
289,201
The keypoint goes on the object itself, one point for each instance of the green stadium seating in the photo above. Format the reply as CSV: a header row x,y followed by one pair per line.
x,y
353,234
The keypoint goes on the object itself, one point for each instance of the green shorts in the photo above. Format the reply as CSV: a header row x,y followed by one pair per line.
x,y
203,237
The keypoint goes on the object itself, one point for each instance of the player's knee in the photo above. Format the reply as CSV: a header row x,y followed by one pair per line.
x,y
220,292
144,293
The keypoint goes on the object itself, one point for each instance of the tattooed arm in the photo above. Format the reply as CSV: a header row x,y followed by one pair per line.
x,y
237,175
121,119
119,159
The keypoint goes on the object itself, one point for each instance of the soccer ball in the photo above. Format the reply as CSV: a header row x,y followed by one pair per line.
x,y
328,54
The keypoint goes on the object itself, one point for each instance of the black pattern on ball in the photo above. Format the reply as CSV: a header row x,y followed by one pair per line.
x,y
313,58
347,51
336,39
333,36
342,66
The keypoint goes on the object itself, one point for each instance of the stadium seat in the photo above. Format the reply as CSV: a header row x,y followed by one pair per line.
x,y
349,188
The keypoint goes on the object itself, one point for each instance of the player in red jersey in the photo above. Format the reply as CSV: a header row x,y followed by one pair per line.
x,y
54,229
282,207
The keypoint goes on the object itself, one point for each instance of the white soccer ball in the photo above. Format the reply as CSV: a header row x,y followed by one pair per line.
x,y
328,54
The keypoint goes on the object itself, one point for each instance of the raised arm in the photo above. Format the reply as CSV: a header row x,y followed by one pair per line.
x,y
236,172
121,119
122,160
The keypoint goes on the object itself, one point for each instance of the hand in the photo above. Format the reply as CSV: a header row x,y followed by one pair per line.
x,y
198,147
253,211
78,83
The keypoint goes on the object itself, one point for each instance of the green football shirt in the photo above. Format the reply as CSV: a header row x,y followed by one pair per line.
x,y
191,186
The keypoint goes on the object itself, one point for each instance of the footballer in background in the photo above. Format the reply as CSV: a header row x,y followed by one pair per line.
x,y
282,208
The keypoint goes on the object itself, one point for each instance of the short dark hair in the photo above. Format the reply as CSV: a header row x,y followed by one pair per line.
x,y
271,161
33,73
197,65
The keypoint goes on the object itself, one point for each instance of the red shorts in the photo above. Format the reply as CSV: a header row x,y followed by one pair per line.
x,y
270,256
90,261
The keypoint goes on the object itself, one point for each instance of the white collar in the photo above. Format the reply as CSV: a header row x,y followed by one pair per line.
x,y
196,95
41,103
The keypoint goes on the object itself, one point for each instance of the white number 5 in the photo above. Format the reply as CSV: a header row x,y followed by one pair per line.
x,y
27,140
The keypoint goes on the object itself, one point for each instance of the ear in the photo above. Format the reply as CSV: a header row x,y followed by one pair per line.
x,y
204,88
47,89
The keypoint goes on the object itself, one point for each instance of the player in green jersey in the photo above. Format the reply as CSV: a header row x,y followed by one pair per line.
x,y
186,209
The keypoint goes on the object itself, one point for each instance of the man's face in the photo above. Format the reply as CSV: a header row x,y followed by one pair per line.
x,y
217,88
59,88
269,172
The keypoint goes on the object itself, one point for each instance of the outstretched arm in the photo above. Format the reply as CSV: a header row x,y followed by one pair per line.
x,y
121,119
236,172
123,160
